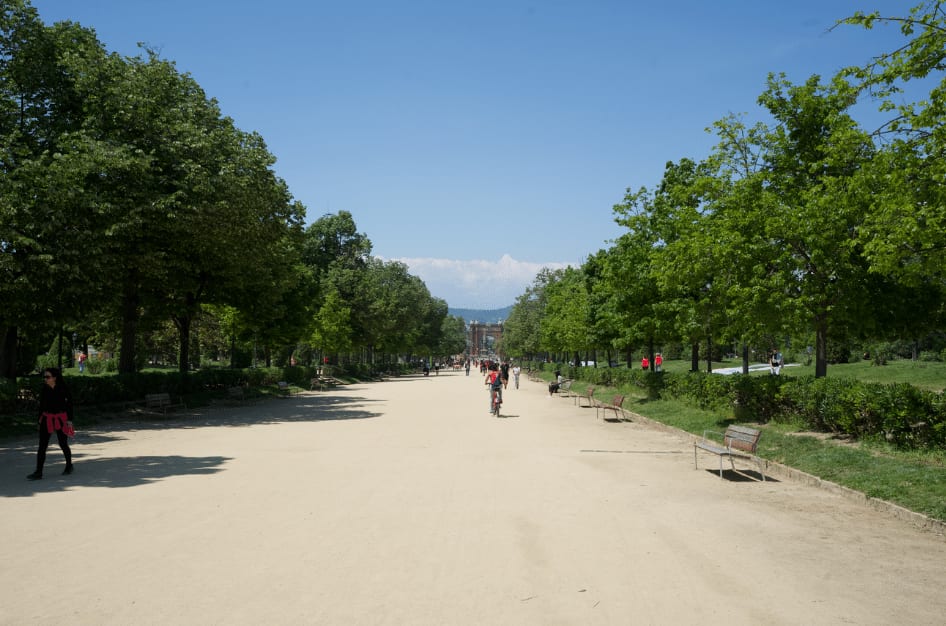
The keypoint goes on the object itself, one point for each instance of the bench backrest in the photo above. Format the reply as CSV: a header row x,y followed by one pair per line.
x,y
158,397
618,401
590,392
742,438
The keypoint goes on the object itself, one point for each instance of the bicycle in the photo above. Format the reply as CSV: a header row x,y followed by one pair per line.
x,y
496,401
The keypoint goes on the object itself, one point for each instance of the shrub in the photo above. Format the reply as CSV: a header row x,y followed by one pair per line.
x,y
45,361
7,395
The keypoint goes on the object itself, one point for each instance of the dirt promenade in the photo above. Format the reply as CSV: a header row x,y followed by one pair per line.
x,y
405,502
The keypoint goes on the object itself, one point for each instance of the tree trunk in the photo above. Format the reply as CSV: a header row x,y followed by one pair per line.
x,y
195,345
183,323
8,353
709,354
695,356
126,357
650,355
821,346
745,358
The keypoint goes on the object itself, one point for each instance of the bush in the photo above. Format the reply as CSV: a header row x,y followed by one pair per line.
x,y
7,395
900,414
45,361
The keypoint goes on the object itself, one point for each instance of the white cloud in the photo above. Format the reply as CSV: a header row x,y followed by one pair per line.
x,y
477,284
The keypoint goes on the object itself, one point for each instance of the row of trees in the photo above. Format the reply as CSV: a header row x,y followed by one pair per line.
x,y
128,201
804,226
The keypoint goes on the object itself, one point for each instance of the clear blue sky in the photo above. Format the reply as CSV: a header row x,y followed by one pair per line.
x,y
478,141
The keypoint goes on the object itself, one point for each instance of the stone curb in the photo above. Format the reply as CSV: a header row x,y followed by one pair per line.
x,y
918,520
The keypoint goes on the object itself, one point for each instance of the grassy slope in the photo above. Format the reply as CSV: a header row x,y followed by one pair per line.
x,y
914,480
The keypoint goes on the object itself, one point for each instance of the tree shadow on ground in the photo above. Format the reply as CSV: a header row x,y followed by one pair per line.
x,y
108,472
304,407
18,455
741,476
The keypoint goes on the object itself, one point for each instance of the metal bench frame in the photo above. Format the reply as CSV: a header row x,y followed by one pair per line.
x,y
738,442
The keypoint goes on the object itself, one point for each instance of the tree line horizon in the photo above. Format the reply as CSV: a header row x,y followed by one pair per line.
x,y
802,229
137,217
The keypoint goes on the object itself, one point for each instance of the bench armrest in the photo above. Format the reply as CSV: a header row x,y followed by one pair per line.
x,y
722,436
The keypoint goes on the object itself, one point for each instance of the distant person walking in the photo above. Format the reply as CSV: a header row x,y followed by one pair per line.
x,y
658,362
645,363
468,367
82,357
55,416
516,370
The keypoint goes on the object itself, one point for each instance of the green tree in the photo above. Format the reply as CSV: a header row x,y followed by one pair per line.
x,y
904,233
566,321
522,331
817,149
452,335
332,332
49,209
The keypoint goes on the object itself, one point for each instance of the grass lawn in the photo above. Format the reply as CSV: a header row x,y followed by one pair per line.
x,y
930,375
915,480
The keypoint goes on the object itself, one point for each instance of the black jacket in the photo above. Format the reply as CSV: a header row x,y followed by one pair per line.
x,y
55,400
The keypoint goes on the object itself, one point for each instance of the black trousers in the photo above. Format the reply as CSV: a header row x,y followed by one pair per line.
x,y
44,437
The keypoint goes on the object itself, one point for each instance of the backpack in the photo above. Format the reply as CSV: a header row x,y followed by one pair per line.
x,y
497,381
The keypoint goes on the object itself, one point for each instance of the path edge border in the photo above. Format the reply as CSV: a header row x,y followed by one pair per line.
x,y
915,519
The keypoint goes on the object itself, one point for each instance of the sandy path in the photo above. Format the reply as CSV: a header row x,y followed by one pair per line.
x,y
404,502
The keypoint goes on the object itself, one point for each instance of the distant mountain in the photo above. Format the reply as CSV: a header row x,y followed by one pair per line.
x,y
490,316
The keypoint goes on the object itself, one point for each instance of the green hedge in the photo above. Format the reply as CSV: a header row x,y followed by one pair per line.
x,y
900,413
98,390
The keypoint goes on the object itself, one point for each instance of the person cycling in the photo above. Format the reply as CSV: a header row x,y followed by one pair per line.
x,y
495,383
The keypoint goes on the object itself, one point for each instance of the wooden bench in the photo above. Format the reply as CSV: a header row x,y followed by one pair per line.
x,y
589,395
738,442
321,382
284,388
26,402
615,405
162,402
565,389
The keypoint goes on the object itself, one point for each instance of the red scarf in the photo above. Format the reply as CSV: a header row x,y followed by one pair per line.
x,y
55,421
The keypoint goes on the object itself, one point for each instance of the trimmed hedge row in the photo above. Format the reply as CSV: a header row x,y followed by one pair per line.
x,y
900,413
99,390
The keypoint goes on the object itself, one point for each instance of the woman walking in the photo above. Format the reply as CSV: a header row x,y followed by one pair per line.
x,y
55,415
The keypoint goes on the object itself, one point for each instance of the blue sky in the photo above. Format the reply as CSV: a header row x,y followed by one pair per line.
x,y
479,141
